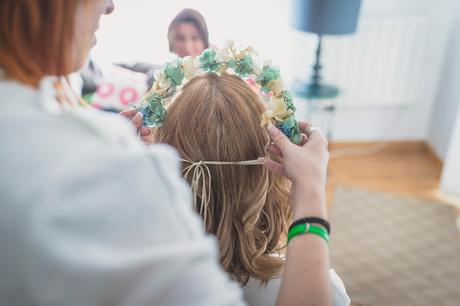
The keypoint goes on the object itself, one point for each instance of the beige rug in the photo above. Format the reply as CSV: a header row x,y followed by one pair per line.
x,y
392,250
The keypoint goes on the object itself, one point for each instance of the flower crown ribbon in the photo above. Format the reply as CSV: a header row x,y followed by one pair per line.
x,y
240,61
201,175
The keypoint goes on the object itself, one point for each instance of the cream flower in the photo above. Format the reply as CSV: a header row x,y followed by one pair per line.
x,y
251,51
279,108
229,44
191,67
162,83
224,55
276,86
267,118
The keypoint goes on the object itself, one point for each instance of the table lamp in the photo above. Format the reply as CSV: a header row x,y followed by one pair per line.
x,y
322,17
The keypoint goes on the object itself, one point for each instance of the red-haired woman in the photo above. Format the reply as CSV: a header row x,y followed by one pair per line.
x,y
89,215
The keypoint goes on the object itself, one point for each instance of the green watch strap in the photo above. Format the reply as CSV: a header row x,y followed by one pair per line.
x,y
306,228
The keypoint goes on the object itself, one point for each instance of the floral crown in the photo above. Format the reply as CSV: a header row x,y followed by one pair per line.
x,y
240,61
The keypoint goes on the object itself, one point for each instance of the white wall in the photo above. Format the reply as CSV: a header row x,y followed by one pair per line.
x,y
450,181
369,122
447,100
137,31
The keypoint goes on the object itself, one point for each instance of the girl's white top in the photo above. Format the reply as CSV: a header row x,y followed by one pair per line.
x,y
257,294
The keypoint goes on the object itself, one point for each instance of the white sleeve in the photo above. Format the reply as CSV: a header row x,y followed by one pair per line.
x,y
257,294
338,291
121,231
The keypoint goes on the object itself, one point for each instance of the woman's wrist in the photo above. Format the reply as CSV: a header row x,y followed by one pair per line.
x,y
309,201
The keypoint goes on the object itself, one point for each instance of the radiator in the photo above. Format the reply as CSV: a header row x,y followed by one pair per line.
x,y
381,64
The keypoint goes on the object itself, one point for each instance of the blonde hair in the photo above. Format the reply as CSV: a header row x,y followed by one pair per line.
x,y
217,118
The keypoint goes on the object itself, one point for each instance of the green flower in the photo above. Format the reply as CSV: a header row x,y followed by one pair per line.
x,y
156,111
269,73
288,100
174,73
232,64
290,128
208,60
244,66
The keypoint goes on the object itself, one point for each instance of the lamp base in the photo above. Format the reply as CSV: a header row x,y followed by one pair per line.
x,y
315,91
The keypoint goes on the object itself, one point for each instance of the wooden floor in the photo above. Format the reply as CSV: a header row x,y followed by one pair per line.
x,y
403,168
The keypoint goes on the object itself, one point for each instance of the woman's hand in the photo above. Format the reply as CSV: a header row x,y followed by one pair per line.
x,y
135,117
305,165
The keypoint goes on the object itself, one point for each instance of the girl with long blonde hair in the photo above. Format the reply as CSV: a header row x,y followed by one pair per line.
x,y
247,207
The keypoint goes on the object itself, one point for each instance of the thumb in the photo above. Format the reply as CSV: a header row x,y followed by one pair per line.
x,y
137,120
280,140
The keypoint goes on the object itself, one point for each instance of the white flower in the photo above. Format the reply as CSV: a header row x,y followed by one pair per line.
x,y
191,67
162,83
227,53
229,44
224,55
251,51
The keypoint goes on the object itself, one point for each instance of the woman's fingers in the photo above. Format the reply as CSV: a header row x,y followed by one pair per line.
x,y
304,139
303,126
273,149
279,139
129,113
275,167
137,120
318,137
143,131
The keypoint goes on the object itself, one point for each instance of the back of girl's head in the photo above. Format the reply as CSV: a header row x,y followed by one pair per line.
x,y
217,118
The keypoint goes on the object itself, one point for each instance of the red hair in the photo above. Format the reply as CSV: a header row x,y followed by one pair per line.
x,y
36,38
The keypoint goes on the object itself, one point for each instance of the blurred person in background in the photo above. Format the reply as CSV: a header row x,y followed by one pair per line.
x,y
188,33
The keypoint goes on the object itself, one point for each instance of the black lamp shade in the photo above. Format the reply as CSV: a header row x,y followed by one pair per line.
x,y
328,17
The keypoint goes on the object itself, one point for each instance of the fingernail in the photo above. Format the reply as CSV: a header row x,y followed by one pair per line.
x,y
273,130
138,116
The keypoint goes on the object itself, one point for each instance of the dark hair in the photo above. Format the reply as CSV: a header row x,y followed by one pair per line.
x,y
190,16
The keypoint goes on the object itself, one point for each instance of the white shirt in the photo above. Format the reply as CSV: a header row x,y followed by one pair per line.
x,y
90,216
257,294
